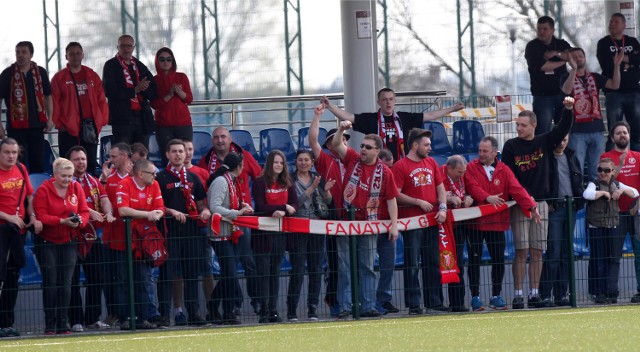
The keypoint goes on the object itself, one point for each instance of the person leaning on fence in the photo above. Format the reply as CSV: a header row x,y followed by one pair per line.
x,y
528,157
61,205
420,188
393,127
78,101
16,189
371,201
565,180
605,239
306,250
274,195
490,181
225,198
93,261
185,201
457,197
172,115
627,171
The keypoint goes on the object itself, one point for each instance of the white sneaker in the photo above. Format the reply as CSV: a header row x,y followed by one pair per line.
x,y
77,328
100,325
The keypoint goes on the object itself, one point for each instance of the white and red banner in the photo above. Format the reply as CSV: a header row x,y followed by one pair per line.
x,y
448,260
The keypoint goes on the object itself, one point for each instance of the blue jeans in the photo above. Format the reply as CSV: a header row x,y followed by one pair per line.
x,y
387,264
588,146
547,108
627,104
142,281
555,268
422,243
366,249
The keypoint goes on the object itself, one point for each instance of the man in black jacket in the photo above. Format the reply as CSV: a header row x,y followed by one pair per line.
x,y
565,180
129,86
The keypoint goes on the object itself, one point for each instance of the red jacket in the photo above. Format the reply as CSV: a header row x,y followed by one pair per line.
x,y
65,101
479,187
50,208
174,112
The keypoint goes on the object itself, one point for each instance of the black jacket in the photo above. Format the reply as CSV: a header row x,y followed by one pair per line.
x,y
577,180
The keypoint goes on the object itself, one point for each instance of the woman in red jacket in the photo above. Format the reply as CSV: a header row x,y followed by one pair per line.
x,y
61,206
173,119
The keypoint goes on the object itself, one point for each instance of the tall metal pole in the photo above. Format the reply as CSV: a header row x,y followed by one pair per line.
x,y
512,36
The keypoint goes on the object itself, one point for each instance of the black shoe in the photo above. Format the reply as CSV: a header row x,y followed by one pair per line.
x,y
518,302
390,308
458,309
534,301
146,325
345,314
126,325
415,310
546,303
231,320
62,327
636,298
196,320
601,299
159,320
274,317
256,307
440,308
214,318
562,302
370,314
263,319
291,314
312,315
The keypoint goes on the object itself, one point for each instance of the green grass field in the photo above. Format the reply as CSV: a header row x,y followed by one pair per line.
x,y
614,328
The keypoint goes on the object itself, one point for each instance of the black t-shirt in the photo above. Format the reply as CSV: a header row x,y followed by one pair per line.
x,y
597,125
367,123
171,190
544,83
6,90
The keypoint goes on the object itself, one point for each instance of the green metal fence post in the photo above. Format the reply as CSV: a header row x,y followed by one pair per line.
x,y
127,233
353,258
572,269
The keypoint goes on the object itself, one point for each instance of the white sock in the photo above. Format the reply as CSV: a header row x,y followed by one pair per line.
x,y
534,291
518,292
177,310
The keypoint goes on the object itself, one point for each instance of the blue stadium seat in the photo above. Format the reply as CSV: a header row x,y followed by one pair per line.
x,y
105,147
439,140
303,137
37,179
440,159
466,136
201,145
471,156
277,138
154,152
245,140
627,247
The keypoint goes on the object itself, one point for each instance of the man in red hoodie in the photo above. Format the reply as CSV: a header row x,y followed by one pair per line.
x,y
490,181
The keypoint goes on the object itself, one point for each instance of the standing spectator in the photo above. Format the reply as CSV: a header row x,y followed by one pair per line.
x,y
26,91
61,206
274,195
223,145
390,125
565,180
419,184
584,87
626,100
139,197
306,250
16,188
78,98
528,157
226,199
184,198
330,167
489,181
371,201
627,171
546,59
605,240
129,86
202,174
173,119
100,211
457,197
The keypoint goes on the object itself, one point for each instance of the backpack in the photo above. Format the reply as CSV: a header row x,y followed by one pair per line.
x,y
150,244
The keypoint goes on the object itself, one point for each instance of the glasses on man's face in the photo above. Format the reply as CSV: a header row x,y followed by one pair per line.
x,y
606,170
165,59
152,173
367,146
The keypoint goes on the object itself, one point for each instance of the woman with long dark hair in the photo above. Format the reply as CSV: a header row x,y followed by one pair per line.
x,y
314,202
274,195
225,198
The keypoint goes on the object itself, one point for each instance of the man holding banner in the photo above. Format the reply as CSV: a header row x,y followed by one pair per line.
x,y
370,190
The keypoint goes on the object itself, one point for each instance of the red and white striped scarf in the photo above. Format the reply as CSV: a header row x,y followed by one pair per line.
x,y
375,188
213,159
399,134
135,101
186,190
19,102
587,107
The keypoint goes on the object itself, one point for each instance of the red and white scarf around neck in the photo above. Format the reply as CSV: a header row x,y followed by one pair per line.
x,y
19,101
213,159
235,199
91,184
399,134
186,190
375,188
128,81
587,107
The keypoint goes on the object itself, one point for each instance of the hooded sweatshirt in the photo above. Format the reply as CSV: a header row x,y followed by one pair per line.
x,y
50,208
174,112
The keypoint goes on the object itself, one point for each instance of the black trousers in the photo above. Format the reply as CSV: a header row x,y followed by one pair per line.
x,y
67,141
31,142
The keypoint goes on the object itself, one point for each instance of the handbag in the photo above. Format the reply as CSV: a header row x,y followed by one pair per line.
x,y
86,237
88,131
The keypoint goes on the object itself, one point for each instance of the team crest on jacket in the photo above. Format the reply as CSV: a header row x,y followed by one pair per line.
x,y
496,182
73,199
632,160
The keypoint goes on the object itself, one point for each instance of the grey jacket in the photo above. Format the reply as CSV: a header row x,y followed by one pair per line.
x,y
218,197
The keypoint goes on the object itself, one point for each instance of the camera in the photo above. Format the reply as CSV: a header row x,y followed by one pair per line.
x,y
74,218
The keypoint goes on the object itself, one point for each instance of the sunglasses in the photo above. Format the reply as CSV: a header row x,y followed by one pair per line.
x,y
165,59
606,170
367,146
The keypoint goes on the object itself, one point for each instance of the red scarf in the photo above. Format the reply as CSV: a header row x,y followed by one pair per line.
x,y
235,199
587,107
449,270
213,159
399,134
91,183
375,188
19,101
128,81
192,210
